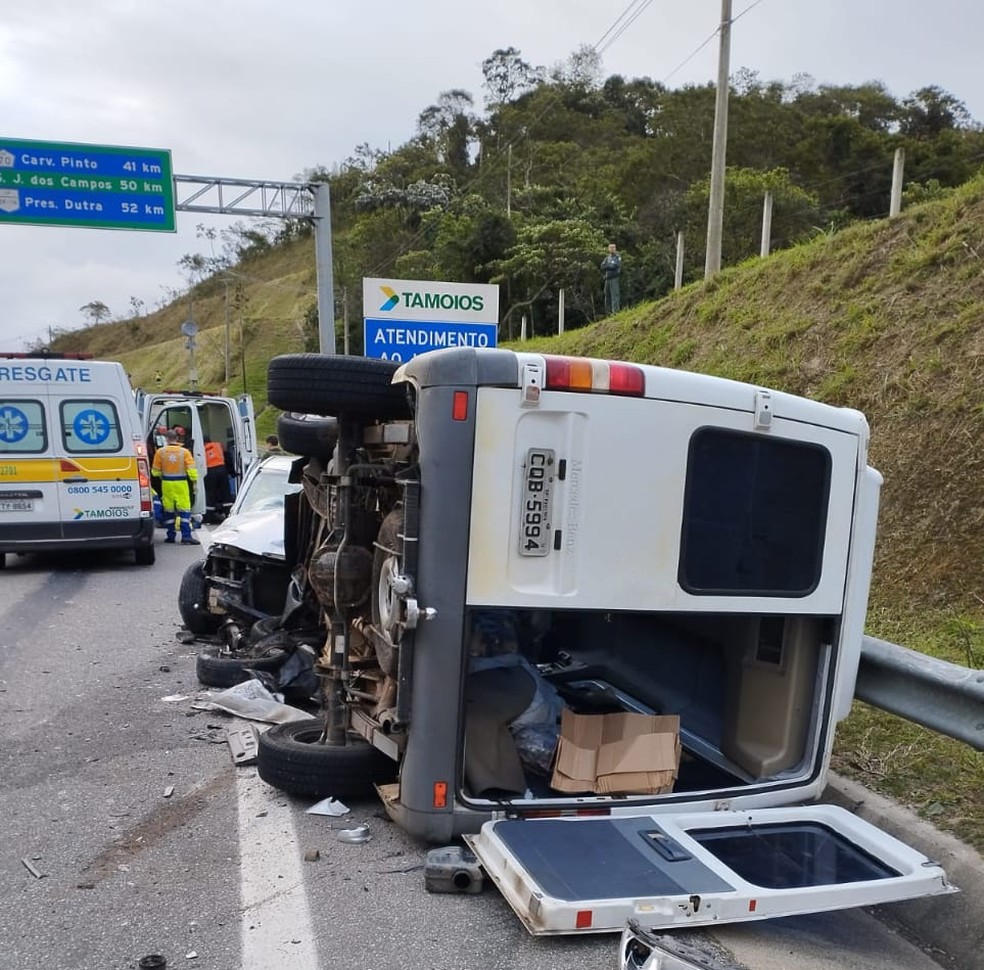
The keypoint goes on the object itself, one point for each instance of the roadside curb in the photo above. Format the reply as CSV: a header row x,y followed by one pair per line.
x,y
952,924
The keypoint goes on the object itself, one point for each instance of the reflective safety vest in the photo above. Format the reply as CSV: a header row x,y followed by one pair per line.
x,y
174,463
213,454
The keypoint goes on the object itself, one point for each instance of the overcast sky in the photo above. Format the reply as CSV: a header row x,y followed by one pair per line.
x,y
264,90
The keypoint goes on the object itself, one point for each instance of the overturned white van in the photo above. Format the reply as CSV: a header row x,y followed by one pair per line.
x,y
501,538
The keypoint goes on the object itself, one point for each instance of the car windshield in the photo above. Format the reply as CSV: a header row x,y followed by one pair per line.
x,y
266,489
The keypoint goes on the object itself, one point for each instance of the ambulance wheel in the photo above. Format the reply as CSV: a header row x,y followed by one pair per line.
x,y
291,757
309,435
144,555
220,670
192,599
359,387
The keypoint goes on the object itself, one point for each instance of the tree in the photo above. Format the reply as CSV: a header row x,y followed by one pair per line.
x,y
96,311
449,125
582,70
549,255
507,75
795,212
930,111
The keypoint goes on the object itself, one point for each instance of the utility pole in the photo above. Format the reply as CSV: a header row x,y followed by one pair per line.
x,y
895,204
715,209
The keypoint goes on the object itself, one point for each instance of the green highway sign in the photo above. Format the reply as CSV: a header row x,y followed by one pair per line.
x,y
94,186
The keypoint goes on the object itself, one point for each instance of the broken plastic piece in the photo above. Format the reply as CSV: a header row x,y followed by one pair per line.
x,y
242,744
356,835
169,791
328,806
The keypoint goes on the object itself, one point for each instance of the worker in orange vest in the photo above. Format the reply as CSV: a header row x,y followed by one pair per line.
x,y
175,467
216,478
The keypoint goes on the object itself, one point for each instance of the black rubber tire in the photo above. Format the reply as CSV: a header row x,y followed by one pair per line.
x,y
289,758
145,555
214,670
261,629
192,596
326,384
308,435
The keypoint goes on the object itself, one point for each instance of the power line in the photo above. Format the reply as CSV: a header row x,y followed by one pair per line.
x,y
628,17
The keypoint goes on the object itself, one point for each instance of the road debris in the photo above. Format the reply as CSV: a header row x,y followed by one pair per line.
x,y
242,744
153,961
328,806
356,835
33,869
169,791
253,701
312,855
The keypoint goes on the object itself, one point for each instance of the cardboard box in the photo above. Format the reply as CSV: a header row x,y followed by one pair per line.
x,y
625,753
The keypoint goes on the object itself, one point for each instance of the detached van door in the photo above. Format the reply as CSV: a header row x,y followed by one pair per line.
x,y
592,875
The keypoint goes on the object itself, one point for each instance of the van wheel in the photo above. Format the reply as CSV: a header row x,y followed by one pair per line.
x,y
334,385
385,603
311,436
291,757
144,555
221,670
192,597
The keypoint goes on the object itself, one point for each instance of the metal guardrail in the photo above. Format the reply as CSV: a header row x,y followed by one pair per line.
x,y
942,696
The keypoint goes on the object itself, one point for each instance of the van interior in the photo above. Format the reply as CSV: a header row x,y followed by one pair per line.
x,y
745,687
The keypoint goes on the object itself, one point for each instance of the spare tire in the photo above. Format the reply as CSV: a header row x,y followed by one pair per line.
x,y
291,757
309,435
325,384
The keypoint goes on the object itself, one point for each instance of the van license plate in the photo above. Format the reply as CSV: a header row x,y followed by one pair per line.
x,y
16,505
534,520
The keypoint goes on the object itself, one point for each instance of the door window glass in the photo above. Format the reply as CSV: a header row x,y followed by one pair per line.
x,y
755,515
22,427
90,425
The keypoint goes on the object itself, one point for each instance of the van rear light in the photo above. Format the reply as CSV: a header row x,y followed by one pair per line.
x,y
440,794
583,919
459,406
143,478
595,376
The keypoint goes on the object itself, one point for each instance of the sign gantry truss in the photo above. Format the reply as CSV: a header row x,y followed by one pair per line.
x,y
242,197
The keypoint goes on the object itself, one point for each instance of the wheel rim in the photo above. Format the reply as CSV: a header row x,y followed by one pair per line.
x,y
387,599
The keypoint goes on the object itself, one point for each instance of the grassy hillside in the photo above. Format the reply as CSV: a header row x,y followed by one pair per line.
x,y
885,317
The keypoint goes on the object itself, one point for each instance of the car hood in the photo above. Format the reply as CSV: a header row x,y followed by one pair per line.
x,y
260,533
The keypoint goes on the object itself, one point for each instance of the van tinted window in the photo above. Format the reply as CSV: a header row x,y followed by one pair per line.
x,y
90,425
755,514
22,427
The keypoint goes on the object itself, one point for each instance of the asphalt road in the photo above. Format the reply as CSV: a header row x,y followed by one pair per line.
x,y
212,874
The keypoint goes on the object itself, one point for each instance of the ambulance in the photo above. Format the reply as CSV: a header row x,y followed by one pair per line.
x,y
73,464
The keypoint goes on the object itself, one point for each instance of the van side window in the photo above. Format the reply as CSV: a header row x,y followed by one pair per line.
x,y
754,515
90,425
22,427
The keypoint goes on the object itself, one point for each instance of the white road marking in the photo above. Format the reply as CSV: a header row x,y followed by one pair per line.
x,y
277,930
